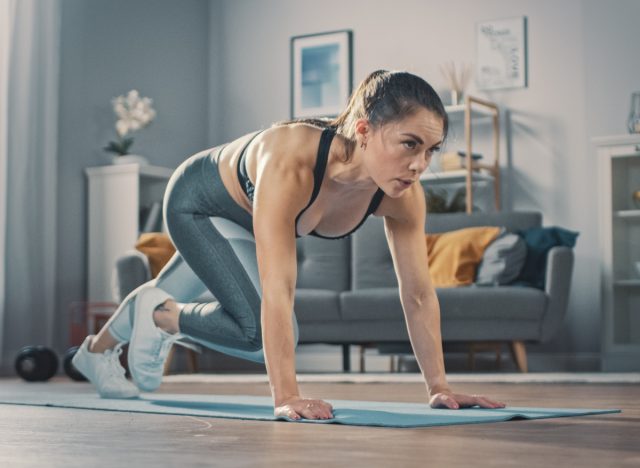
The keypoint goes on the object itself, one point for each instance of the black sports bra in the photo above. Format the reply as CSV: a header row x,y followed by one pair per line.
x,y
318,175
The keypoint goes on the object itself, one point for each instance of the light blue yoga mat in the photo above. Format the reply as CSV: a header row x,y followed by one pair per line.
x,y
350,412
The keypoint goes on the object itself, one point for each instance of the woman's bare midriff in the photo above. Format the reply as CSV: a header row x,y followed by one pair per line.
x,y
325,215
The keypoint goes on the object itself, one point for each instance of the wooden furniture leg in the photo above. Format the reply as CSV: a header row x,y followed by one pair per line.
x,y
519,354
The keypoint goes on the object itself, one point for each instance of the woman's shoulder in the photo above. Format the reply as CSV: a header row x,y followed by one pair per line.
x,y
291,143
294,135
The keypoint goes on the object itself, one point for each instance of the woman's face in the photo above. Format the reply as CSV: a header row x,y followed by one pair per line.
x,y
398,152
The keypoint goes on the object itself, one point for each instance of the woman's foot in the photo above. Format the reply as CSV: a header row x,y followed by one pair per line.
x,y
150,344
104,371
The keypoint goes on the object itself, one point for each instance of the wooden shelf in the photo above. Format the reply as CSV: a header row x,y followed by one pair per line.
x,y
451,177
473,110
456,113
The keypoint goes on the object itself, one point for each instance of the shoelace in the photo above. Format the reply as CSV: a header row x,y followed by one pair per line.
x,y
163,348
113,361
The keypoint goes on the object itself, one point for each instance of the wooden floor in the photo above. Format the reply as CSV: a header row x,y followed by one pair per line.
x,y
33,436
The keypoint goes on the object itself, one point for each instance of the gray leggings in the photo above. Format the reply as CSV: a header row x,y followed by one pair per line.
x,y
216,251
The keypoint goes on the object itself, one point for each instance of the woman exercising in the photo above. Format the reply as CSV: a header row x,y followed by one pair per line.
x,y
234,213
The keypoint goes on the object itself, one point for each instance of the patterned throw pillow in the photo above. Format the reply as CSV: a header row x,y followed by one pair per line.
x,y
502,260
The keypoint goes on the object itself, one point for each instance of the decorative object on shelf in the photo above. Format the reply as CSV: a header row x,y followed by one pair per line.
x,y
457,80
437,201
636,198
321,74
455,161
134,113
634,114
502,53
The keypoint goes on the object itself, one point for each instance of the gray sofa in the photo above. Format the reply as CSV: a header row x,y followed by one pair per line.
x,y
347,291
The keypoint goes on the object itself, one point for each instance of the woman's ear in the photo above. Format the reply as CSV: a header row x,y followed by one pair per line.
x,y
362,128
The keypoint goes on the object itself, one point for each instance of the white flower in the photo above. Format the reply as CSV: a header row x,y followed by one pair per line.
x,y
122,128
133,111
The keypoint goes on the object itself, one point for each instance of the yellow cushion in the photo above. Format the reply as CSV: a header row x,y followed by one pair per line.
x,y
454,256
158,248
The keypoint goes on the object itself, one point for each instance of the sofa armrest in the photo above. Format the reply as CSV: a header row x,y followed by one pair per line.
x,y
557,286
130,271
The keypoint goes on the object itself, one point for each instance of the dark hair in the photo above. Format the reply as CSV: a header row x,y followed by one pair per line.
x,y
383,97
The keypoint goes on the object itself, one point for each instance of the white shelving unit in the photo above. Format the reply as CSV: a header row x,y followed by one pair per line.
x,y
473,110
117,194
619,169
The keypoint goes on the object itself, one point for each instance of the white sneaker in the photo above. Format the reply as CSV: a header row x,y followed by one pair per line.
x,y
149,345
104,371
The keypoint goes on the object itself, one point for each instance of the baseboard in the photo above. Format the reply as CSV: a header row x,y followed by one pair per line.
x,y
326,358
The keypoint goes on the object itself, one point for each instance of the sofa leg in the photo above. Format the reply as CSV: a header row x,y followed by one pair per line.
x,y
346,358
519,354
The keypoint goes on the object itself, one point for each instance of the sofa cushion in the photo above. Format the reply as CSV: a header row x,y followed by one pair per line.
x,y
371,304
502,260
503,303
158,248
454,256
539,241
316,305
468,302
323,264
372,266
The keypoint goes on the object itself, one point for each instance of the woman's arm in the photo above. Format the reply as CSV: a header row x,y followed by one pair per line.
x,y
404,228
282,191
405,234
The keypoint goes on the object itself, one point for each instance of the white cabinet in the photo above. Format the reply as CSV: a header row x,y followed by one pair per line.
x,y
619,171
118,195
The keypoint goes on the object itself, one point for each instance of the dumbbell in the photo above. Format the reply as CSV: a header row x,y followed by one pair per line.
x,y
69,368
36,363
39,364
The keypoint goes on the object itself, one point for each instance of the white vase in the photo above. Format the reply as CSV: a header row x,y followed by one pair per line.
x,y
130,159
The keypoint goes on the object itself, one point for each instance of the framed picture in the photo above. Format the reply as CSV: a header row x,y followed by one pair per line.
x,y
321,74
501,53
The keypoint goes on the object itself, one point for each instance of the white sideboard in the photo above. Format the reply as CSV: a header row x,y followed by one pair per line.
x,y
117,195
619,172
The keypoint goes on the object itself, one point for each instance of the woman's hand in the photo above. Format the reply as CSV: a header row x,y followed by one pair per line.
x,y
296,408
450,400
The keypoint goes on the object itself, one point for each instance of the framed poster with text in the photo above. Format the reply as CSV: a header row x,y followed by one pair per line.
x,y
501,60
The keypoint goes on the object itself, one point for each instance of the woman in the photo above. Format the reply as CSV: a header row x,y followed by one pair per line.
x,y
296,178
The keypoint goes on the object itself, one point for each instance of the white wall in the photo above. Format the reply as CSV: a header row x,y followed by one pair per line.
x,y
582,68
161,48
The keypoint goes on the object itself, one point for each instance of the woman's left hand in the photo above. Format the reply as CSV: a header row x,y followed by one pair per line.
x,y
451,400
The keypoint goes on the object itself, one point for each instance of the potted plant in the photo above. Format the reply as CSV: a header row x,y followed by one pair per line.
x,y
133,113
